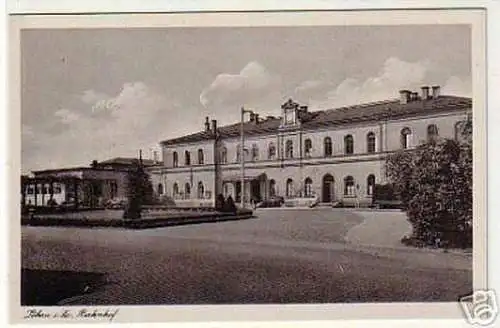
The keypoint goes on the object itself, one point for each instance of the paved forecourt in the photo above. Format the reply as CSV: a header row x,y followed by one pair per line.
x,y
280,256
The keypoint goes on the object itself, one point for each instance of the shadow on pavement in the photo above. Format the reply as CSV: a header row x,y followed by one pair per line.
x,y
48,287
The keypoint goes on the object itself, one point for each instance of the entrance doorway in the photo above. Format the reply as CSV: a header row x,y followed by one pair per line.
x,y
328,189
255,191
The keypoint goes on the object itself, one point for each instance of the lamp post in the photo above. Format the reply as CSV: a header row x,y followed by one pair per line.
x,y
242,155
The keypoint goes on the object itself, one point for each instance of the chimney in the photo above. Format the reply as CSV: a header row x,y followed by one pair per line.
x,y
256,118
435,91
303,108
404,96
214,126
94,164
414,96
425,92
252,117
207,124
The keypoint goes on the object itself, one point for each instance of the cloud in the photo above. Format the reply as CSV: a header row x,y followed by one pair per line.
x,y
253,83
66,116
135,119
394,75
458,86
91,96
311,89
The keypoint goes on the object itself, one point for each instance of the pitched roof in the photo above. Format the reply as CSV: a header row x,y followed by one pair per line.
x,y
127,161
376,111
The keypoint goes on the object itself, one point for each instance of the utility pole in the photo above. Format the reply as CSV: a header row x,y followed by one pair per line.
x,y
242,155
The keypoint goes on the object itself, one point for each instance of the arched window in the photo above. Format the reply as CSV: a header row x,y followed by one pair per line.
x,y
223,155
200,156
271,151
201,190
328,148
308,187
459,130
175,190
187,191
308,148
370,142
187,158
289,188
370,184
160,189
255,152
349,186
432,132
348,144
272,188
405,138
175,159
289,149
238,152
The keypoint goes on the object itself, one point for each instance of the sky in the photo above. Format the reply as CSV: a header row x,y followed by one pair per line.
x,y
101,93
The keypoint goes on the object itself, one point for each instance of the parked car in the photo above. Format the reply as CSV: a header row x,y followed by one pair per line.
x,y
274,201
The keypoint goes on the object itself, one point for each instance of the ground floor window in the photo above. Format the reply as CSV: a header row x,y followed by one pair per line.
x,y
289,188
308,187
175,190
201,191
349,189
370,184
272,188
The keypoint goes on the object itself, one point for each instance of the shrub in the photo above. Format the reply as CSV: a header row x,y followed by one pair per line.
x,y
219,203
139,191
434,182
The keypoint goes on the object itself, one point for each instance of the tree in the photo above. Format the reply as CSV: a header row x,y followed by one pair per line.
x,y
139,191
434,182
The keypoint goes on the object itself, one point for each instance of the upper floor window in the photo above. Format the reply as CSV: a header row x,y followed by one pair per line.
x,y
432,132
405,138
223,155
187,158
328,148
187,190
271,151
175,159
175,189
160,189
349,189
201,160
308,187
255,152
370,142
238,153
289,149
348,144
308,147
370,184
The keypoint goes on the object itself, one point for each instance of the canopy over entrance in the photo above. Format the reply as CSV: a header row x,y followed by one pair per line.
x,y
237,178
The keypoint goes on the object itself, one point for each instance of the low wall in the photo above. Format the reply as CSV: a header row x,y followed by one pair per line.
x,y
149,219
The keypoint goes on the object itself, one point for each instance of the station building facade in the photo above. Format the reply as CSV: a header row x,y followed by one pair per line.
x,y
335,154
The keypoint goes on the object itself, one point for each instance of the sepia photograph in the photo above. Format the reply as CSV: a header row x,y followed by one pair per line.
x,y
257,164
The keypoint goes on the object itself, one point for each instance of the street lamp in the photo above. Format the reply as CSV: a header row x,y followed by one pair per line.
x,y
242,154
